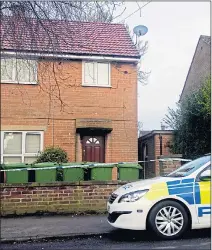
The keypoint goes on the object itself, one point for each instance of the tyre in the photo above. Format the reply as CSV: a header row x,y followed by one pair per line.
x,y
168,220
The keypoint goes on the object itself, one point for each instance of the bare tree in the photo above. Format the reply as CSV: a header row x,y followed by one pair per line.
x,y
140,128
142,47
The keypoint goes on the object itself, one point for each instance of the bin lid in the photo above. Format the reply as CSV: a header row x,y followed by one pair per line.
x,y
71,163
101,166
129,165
45,164
15,165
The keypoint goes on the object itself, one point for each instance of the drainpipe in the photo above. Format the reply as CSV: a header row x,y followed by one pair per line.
x,y
161,144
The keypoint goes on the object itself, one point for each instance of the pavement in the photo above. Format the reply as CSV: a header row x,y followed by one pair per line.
x,y
51,227
87,232
119,239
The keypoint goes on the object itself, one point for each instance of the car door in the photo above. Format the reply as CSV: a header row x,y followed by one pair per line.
x,y
202,196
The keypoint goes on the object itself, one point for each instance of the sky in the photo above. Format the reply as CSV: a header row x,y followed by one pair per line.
x,y
173,32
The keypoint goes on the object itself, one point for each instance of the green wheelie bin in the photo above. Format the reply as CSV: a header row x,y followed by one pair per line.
x,y
128,171
45,175
74,173
101,173
19,173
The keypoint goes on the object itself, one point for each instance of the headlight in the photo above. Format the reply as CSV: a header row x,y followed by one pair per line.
x,y
133,196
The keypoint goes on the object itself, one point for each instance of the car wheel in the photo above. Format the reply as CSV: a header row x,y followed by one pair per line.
x,y
168,219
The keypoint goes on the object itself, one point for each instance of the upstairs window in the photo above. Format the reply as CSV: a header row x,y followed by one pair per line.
x,y
96,74
23,71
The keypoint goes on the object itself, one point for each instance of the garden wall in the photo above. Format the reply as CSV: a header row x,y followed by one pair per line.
x,y
58,197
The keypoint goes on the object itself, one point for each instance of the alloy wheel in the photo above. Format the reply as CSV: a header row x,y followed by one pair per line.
x,y
169,221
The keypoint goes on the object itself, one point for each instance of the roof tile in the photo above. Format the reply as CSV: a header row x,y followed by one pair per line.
x,y
67,37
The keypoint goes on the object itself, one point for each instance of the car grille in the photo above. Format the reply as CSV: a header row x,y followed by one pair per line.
x,y
112,198
114,216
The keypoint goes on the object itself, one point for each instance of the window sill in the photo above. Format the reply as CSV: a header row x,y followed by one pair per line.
x,y
97,86
22,83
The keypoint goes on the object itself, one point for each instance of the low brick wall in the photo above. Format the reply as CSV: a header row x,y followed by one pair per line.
x,y
167,167
19,199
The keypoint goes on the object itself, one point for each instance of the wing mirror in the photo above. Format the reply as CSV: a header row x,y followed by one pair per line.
x,y
206,175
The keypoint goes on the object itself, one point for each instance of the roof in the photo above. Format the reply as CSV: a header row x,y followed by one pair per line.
x,y
204,64
69,37
147,134
206,39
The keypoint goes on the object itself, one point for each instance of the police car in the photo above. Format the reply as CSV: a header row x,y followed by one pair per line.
x,y
167,205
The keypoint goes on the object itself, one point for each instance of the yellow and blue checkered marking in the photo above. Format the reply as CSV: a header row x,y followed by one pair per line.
x,y
182,189
187,189
190,191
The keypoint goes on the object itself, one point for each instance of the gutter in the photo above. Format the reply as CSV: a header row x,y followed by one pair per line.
x,y
70,56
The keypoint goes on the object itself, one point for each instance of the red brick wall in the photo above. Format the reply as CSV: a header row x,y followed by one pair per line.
x,y
30,105
165,149
167,167
56,197
153,143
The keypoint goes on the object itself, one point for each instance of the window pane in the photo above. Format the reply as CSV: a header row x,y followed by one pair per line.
x,y
103,74
7,69
33,71
9,159
89,74
22,70
29,159
32,144
12,143
25,70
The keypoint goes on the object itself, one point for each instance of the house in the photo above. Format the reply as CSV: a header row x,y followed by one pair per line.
x,y
152,145
78,93
200,67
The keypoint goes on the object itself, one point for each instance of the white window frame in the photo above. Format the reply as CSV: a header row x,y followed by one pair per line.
x,y
23,154
96,70
14,72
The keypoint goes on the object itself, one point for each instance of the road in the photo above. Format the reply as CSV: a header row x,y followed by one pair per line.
x,y
121,239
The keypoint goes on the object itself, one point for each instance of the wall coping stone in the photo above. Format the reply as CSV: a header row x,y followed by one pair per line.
x,y
60,184
170,156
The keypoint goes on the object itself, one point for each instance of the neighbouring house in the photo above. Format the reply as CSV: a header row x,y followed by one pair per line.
x,y
152,145
79,93
200,67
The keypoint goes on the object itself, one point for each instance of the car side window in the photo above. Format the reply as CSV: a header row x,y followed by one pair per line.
x,y
204,175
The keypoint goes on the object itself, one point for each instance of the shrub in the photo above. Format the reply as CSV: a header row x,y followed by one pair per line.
x,y
191,122
53,154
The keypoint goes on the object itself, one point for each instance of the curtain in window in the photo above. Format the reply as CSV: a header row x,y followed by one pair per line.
x,y
89,73
32,144
12,143
8,159
7,65
103,74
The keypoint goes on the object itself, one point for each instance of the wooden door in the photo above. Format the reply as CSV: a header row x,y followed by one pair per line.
x,y
93,149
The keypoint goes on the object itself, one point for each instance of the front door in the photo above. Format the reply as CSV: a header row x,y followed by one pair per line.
x,y
93,149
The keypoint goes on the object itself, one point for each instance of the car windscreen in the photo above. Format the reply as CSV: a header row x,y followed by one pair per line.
x,y
190,167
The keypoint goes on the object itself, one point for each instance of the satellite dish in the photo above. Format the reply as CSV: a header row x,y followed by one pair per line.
x,y
140,30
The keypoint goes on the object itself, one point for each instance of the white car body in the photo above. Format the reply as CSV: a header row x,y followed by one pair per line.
x,y
186,190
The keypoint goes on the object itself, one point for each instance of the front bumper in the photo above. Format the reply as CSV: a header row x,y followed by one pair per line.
x,y
132,215
114,216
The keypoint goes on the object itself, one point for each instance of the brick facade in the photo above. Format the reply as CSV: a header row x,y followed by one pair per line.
x,y
56,197
36,106
152,140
